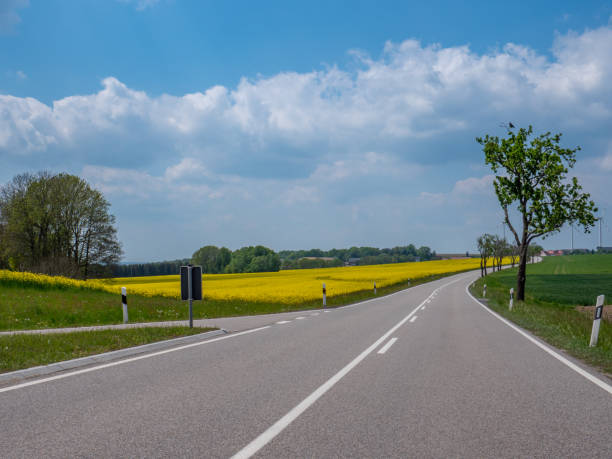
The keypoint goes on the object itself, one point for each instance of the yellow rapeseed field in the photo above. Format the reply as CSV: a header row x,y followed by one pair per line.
x,y
288,287
294,286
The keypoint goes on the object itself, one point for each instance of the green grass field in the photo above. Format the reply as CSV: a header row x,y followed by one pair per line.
x,y
25,351
554,288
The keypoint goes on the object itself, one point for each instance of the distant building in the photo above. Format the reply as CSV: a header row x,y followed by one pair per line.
x,y
352,262
604,249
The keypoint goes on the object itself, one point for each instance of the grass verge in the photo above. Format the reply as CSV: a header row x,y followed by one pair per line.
x,y
559,324
25,308
25,351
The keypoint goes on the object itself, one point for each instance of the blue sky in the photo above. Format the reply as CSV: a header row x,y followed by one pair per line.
x,y
299,124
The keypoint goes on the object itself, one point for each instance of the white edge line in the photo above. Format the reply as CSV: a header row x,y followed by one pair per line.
x,y
280,425
605,386
386,347
121,362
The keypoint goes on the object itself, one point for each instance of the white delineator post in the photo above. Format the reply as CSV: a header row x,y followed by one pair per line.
x,y
484,291
124,304
324,296
374,288
511,298
597,320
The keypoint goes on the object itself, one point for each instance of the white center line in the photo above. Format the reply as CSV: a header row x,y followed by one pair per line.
x,y
280,425
413,319
283,322
300,318
386,347
314,314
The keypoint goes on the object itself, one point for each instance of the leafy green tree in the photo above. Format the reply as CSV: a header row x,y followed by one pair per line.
x,y
56,224
212,259
253,259
531,174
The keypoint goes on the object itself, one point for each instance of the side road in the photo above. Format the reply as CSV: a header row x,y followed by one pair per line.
x,y
230,324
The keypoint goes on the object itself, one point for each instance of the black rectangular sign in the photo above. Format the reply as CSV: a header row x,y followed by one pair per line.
x,y
196,282
598,312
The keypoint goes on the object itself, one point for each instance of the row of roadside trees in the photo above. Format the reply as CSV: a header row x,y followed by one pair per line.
x,y
493,249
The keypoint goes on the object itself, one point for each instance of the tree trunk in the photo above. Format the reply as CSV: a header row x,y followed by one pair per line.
x,y
522,274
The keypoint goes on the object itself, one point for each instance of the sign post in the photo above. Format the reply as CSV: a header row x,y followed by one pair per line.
x,y
597,320
191,287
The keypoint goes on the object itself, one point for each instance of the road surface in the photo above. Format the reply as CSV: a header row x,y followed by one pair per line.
x,y
426,372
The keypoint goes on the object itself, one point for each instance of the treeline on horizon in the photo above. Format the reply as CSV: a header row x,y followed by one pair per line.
x,y
216,260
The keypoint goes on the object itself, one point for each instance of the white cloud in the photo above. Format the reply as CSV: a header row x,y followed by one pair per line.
x,y
389,141
474,185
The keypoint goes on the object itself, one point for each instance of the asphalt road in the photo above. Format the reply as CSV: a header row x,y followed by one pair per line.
x,y
384,378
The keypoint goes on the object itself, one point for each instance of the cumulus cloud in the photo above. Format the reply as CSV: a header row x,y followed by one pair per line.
x,y
390,138
413,103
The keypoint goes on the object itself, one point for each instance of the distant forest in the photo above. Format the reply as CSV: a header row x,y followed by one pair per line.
x,y
216,260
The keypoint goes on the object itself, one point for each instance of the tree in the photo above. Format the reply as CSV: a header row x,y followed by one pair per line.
x,y
533,251
531,174
212,259
253,259
485,247
56,224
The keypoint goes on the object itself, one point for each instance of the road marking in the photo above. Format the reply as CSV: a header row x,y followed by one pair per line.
x,y
121,362
325,311
300,318
281,322
423,308
413,319
605,386
386,347
280,425
314,314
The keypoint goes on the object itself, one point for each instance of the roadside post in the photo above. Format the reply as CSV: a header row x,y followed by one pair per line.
x,y
597,320
374,288
511,298
191,287
484,291
324,295
124,304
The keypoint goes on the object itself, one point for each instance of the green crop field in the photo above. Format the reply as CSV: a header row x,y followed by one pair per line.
x,y
570,280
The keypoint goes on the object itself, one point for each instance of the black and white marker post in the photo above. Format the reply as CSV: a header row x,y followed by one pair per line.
x,y
124,304
511,298
324,296
191,287
484,291
597,320
374,288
